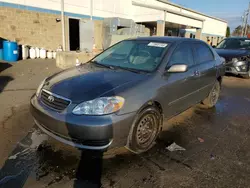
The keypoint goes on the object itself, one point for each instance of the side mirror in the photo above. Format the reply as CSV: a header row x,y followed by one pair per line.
x,y
214,46
177,68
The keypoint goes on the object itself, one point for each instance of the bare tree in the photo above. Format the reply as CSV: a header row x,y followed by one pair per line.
x,y
238,30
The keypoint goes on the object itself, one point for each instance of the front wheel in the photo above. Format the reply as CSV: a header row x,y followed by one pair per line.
x,y
247,76
213,96
145,130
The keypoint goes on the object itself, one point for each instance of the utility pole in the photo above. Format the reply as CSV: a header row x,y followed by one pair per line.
x,y
242,25
246,23
63,23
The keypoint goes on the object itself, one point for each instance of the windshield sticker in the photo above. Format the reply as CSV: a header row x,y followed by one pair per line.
x,y
159,45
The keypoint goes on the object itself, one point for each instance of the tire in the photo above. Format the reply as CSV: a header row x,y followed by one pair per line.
x,y
247,76
213,96
145,130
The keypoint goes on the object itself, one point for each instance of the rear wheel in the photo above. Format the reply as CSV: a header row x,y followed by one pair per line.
x,y
145,130
213,96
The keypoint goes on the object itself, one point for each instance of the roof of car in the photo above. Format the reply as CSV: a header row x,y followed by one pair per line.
x,y
237,38
166,39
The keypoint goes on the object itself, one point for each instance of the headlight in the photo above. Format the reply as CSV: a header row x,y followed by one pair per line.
x,y
99,106
40,87
243,67
234,60
239,63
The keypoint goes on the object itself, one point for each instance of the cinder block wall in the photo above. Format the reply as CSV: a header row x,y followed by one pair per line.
x,y
39,29
30,27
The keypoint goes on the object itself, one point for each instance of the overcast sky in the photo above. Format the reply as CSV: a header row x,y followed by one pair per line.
x,y
229,10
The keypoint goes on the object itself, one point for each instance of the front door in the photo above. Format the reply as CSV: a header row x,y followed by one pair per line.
x,y
181,89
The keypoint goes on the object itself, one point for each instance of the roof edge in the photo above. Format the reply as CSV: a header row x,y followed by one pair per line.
x,y
167,10
188,9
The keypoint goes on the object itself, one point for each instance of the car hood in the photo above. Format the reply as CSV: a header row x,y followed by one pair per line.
x,y
88,82
231,53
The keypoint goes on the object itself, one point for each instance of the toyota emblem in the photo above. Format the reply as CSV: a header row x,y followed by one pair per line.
x,y
51,98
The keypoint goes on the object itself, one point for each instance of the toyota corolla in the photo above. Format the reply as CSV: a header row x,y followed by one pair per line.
x,y
122,96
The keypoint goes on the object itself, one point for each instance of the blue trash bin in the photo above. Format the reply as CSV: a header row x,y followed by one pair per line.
x,y
1,54
10,51
1,49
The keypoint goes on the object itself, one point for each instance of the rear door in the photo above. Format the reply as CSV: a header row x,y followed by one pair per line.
x,y
206,67
181,89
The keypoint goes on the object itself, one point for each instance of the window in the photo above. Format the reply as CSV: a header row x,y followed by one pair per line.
x,y
203,53
183,55
234,43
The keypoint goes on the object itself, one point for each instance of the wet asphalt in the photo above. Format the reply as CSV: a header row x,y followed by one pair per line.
x,y
216,142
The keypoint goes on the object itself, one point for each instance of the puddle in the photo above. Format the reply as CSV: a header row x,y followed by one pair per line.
x,y
56,162
22,160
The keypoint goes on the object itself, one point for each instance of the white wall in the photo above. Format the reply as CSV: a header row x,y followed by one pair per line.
x,y
141,14
125,9
183,20
101,8
211,26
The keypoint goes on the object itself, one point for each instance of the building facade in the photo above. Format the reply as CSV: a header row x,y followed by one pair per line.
x,y
38,22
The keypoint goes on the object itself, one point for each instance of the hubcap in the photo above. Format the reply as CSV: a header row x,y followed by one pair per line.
x,y
146,130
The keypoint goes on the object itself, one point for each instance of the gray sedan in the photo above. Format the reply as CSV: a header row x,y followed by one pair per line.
x,y
122,96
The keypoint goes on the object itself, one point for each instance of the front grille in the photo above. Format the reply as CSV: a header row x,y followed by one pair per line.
x,y
54,101
244,58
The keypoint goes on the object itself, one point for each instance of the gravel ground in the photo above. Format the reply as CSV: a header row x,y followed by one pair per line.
x,y
216,142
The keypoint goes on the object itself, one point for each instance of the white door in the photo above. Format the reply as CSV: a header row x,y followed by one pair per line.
x,y
86,35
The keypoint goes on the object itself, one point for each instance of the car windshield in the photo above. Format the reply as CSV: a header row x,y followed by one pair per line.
x,y
133,55
234,44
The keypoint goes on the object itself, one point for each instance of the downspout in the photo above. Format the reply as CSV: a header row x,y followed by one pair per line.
x,y
164,20
63,25
91,9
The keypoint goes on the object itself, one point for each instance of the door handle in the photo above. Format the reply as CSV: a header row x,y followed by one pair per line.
x,y
196,73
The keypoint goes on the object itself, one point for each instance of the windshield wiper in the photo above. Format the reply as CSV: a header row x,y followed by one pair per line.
x,y
130,69
120,67
102,65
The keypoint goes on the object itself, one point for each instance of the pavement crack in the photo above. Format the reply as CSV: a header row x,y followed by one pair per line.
x,y
8,117
156,164
181,162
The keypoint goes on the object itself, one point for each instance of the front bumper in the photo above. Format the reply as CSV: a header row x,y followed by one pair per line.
x,y
81,131
233,70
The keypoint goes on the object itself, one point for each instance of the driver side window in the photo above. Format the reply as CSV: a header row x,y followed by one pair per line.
x,y
183,54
